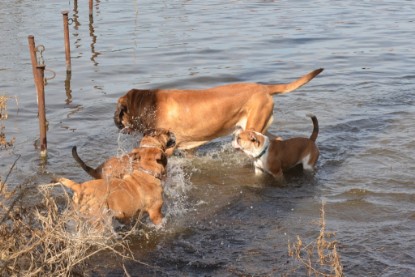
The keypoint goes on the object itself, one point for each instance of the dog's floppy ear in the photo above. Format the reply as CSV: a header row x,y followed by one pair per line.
x,y
161,159
172,140
119,112
252,137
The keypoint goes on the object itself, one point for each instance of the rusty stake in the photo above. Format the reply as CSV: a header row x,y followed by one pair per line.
x,y
32,50
40,84
91,8
67,44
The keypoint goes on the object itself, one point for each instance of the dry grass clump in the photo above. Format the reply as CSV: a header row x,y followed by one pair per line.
x,y
49,238
319,257
3,141
3,116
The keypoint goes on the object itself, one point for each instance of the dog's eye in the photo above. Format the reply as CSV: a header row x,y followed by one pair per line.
x,y
171,143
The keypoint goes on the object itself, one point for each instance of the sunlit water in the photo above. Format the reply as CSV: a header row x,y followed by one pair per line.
x,y
222,220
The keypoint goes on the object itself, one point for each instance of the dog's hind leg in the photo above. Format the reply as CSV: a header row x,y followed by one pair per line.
x,y
309,162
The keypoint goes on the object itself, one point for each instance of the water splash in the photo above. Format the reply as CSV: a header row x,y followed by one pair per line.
x,y
176,188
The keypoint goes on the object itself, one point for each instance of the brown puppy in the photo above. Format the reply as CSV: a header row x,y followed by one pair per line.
x,y
199,116
151,150
276,156
124,197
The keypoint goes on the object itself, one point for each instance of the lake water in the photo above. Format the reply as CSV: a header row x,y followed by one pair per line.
x,y
222,220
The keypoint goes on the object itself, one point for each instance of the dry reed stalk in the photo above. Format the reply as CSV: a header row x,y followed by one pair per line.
x,y
319,257
3,116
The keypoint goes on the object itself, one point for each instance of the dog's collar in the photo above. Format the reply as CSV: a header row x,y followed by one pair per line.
x,y
262,152
152,173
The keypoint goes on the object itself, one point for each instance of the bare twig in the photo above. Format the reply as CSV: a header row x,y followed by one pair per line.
x,y
327,262
2,184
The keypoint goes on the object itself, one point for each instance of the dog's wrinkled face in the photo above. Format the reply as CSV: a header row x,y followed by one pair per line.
x,y
250,142
151,159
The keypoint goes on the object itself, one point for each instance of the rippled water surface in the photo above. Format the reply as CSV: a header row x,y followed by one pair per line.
x,y
222,220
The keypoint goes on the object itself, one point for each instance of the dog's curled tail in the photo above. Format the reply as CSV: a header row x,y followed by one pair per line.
x,y
285,88
75,187
92,172
314,134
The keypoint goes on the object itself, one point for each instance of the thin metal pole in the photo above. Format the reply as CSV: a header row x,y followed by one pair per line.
x,y
91,7
40,76
67,44
32,50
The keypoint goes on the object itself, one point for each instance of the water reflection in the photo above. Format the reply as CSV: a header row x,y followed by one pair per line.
x,y
76,23
95,54
94,40
68,89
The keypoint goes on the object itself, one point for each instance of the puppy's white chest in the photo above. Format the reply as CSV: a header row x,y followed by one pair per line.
x,y
258,163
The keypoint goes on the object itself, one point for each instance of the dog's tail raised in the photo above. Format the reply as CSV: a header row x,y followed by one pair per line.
x,y
314,134
92,172
285,88
75,187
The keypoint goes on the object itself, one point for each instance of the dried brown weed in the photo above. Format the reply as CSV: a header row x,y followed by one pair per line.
x,y
319,257
50,238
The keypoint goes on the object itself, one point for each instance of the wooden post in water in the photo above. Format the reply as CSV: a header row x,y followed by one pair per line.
x,y
91,7
67,44
32,50
40,85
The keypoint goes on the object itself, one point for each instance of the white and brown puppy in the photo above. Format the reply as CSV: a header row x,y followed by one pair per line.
x,y
199,116
276,155
150,151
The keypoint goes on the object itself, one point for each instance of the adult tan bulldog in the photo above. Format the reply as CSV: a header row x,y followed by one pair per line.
x,y
199,116
275,156
150,153
123,197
